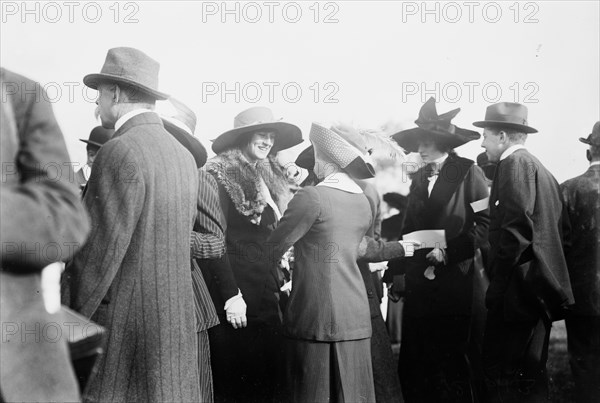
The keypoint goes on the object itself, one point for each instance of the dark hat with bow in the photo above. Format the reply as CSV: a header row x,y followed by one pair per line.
x,y
594,138
437,126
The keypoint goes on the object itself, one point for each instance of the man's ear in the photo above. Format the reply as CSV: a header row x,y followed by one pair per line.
x,y
588,155
116,94
502,136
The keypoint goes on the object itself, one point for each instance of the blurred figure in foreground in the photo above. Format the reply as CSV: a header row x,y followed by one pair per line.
x,y
40,209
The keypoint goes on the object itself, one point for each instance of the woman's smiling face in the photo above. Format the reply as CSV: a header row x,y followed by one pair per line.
x,y
259,146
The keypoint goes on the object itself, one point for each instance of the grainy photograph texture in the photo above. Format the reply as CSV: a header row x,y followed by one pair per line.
x,y
300,201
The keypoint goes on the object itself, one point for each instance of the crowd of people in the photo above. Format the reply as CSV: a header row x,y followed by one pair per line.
x,y
228,280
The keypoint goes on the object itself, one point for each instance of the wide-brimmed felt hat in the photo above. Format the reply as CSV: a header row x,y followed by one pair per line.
x,y
594,138
98,136
510,115
131,67
346,149
437,126
182,126
257,119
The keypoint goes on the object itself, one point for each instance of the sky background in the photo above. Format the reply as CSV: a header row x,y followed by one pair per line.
x,y
374,63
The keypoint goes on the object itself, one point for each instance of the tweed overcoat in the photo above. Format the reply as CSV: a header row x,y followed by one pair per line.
x,y
43,221
133,276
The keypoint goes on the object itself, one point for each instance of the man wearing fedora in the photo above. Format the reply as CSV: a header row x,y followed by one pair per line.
x,y
529,283
98,136
133,276
582,198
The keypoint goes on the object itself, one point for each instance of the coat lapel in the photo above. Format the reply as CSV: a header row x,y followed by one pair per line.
x,y
451,175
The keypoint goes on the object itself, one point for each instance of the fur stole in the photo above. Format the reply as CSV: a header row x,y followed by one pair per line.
x,y
241,181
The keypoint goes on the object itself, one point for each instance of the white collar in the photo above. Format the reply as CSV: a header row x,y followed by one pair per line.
x,y
121,121
511,150
595,163
341,181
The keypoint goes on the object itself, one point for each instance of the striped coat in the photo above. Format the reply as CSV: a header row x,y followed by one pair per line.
x,y
133,274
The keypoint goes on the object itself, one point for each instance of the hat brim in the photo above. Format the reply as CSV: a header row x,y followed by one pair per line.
x,y
92,143
287,135
192,144
92,81
409,139
360,169
495,123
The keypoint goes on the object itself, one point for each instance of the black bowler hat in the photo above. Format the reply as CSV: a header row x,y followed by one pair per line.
x,y
594,138
98,136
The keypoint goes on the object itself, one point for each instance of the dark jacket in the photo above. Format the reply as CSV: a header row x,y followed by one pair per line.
x,y
528,270
582,200
248,222
42,221
459,184
134,274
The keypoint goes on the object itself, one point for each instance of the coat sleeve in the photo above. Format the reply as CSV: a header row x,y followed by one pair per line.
x,y
463,247
219,270
42,208
208,241
517,195
115,198
297,220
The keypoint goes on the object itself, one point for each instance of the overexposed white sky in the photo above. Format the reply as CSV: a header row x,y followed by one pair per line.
x,y
380,60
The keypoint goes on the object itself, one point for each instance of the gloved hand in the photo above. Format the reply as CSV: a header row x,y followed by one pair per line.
x,y
410,247
437,256
235,309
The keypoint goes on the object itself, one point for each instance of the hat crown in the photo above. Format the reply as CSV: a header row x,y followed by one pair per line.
x,y
509,112
252,116
430,120
594,138
132,64
99,135
184,114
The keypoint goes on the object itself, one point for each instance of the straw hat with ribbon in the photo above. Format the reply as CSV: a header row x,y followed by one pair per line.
x,y
344,147
437,126
254,120
182,125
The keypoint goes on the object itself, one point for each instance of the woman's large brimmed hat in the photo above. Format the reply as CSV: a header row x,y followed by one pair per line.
x,y
345,148
131,67
182,126
254,120
510,115
594,138
438,126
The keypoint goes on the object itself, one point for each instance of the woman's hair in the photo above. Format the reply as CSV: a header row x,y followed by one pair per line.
x,y
440,144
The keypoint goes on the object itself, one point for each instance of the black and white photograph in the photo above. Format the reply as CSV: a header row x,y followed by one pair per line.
x,y
300,201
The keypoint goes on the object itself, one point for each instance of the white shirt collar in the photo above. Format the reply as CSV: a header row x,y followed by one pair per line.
x,y
511,150
595,163
341,181
121,121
